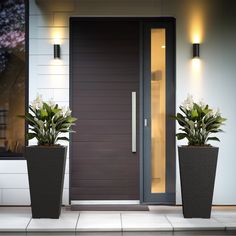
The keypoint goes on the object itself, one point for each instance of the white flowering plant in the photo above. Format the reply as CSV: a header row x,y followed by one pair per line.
x,y
198,122
47,121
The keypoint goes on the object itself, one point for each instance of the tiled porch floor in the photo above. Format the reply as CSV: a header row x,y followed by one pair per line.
x,y
160,220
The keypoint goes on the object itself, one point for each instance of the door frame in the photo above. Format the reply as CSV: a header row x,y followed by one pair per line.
x,y
168,197
172,74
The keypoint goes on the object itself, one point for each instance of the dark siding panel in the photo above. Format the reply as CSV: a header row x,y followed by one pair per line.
x,y
105,70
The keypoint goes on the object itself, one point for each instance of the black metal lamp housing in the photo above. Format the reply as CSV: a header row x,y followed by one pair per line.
x,y
196,50
57,51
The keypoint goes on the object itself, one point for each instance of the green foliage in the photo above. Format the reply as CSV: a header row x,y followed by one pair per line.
x,y
198,122
47,122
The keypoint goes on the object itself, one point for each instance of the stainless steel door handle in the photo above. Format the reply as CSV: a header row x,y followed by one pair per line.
x,y
145,122
134,122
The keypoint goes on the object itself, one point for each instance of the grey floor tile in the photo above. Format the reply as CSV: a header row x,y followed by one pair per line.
x,y
14,221
66,223
99,234
12,234
203,233
180,223
228,220
50,233
145,222
99,222
164,210
148,233
14,210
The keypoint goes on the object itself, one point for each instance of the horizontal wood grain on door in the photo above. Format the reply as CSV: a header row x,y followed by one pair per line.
x,y
104,72
105,182
104,100
102,138
103,127
114,190
122,115
80,196
103,107
125,86
100,93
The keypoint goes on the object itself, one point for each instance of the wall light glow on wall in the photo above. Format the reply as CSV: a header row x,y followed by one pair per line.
x,y
196,35
196,81
196,23
196,61
196,65
56,35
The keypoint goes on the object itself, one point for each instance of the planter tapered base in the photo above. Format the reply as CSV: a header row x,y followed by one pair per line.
x,y
46,169
197,174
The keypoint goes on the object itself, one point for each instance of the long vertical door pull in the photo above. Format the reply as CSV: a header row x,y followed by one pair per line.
x,y
133,121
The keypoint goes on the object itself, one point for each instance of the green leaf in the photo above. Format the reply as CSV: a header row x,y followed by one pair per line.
x,y
181,120
48,108
213,139
221,119
194,113
71,119
181,136
63,138
43,113
206,110
31,136
32,110
183,110
56,110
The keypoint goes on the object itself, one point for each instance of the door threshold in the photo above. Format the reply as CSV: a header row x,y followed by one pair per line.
x,y
105,202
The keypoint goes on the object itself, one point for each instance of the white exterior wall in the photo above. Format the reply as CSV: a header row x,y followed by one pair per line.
x,y
215,81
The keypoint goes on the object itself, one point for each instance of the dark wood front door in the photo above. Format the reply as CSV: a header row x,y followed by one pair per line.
x,y
105,70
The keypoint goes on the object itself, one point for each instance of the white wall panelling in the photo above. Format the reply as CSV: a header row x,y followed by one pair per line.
x,y
15,196
41,46
13,167
48,32
41,20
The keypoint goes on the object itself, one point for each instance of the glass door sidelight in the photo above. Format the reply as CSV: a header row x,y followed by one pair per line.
x,y
159,105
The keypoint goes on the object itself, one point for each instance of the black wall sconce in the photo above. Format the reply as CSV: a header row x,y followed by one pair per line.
x,y
57,51
196,50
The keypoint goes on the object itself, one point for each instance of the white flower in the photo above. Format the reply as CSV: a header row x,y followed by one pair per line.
x,y
210,114
202,104
66,111
37,103
216,112
63,110
188,103
51,103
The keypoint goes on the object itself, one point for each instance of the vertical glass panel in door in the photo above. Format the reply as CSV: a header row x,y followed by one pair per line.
x,y
158,107
158,110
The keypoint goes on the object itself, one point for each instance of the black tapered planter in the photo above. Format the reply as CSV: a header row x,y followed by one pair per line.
x,y
197,174
46,169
